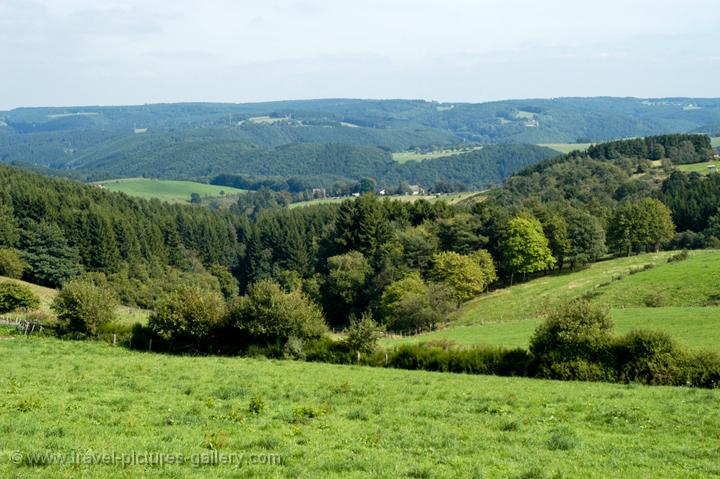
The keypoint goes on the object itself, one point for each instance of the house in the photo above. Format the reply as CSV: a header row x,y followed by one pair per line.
x,y
319,193
416,190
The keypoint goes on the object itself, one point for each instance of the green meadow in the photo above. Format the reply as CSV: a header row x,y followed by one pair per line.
x,y
565,148
168,190
702,168
404,156
109,412
676,297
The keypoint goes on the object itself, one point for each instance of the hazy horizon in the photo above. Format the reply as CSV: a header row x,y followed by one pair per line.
x,y
122,52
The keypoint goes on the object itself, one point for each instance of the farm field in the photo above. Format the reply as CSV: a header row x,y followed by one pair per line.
x,y
317,420
565,148
695,327
700,167
715,140
404,156
679,290
167,190
450,198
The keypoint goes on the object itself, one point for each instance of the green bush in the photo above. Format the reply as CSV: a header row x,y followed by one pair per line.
x,y
82,307
268,315
651,357
11,264
574,331
14,296
681,256
363,334
188,317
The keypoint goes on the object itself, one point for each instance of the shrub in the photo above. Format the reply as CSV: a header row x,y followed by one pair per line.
x,y
363,334
267,315
188,317
681,256
14,296
11,264
655,300
650,357
82,307
703,369
577,330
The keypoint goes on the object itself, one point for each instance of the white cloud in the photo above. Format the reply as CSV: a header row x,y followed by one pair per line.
x,y
129,51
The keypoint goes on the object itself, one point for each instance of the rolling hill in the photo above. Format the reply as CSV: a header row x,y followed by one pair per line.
x,y
184,141
642,291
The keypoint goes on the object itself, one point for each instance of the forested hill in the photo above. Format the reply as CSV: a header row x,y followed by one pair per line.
x,y
194,140
62,228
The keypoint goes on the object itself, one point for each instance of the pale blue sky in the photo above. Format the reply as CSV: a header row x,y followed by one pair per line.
x,y
80,52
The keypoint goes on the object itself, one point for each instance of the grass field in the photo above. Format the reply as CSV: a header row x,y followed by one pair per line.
x,y
565,148
168,190
715,141
695,327
319,420
508,317
450,198
700,167
404,156
125,314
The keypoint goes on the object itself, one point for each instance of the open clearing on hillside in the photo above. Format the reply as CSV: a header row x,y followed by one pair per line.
x,y
700,167
168,190
450,198
404,156
320,420
566,148
679,290
715,141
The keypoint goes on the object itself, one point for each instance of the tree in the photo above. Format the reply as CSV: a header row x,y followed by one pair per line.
x,y
363,334
52,261
419,246
8,230
195,198
267,316
485,260
83,307
525,246
639,226
363,225
410,304
586,238
188,316
11,264
461,273
14,296
344,285
228,283
556,230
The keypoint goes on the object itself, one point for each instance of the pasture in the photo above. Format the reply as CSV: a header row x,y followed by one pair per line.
x,y
672,297
566,148
702,168
405,156
88,409
168,190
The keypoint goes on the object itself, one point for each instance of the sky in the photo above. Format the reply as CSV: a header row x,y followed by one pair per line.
x,y
109,52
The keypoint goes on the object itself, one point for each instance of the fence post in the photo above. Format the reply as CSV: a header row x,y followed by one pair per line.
x,y
150,345
114,339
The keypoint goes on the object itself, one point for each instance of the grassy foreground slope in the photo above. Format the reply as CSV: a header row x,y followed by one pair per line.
x,y
678,291
168,190
336,421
